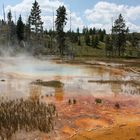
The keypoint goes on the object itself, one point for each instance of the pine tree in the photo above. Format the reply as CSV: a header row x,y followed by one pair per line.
x,y
35,18
78,37
134,39
20,29
94,31
28,29
84,31
79,41
101,36
60,23
78,33
90,31
9,17
104,31
96,42
11,28
108,45
92,40
119,31
87,39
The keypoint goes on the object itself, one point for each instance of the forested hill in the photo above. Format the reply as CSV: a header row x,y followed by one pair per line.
x,y
30,36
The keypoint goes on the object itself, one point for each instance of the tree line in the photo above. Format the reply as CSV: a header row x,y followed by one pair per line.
x,y
32,36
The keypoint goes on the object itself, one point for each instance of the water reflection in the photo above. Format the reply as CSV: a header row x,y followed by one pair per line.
x,y
35,92
59,94
74,77
15,88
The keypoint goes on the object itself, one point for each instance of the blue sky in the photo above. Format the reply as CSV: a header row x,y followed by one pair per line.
x,y
81,5
90,13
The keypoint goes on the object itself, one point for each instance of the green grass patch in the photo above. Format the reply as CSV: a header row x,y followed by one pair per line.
x,y
53,83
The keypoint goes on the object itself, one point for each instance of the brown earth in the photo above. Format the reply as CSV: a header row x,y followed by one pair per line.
x,y
87,120
128,131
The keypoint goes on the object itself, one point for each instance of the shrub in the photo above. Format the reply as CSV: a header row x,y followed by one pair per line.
x,y
69,101
98,101
74,101
117,105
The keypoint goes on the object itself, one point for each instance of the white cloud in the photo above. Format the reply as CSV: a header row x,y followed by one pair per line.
x,y
99,16
133,27
102,13
25,5
76,21
1,17
47,8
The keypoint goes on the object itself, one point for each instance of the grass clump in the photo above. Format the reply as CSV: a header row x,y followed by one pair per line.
x,y
26,115
98,101
72,101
